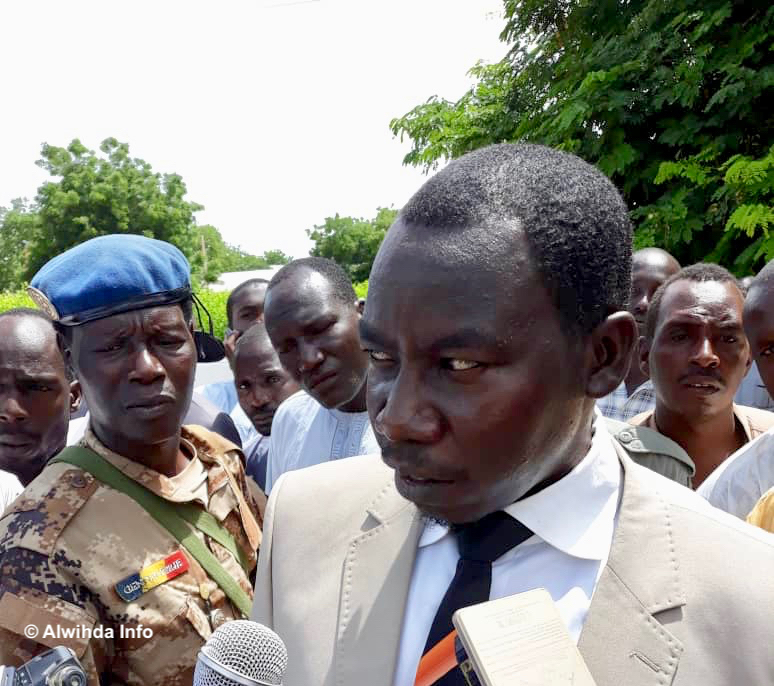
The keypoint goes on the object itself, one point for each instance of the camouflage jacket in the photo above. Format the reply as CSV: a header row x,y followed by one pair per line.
x,y
71,549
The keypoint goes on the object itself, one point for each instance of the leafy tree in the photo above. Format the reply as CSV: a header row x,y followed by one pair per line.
x,y
93,195
115,193
276,257
18,227
672,100
352,242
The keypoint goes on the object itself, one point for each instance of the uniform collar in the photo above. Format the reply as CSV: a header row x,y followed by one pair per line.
x,y
575,514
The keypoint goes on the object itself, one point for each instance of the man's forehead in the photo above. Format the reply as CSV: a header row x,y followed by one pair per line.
x,y
251,295
165,315
709,299
303,288
26,332
255,354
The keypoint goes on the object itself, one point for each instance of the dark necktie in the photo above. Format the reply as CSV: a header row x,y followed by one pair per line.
x,y
480,544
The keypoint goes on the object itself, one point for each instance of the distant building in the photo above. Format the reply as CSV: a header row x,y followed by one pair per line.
x,y
228,281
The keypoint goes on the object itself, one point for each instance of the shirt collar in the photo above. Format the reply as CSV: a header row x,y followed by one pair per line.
x,y
645,386
188,485
575,514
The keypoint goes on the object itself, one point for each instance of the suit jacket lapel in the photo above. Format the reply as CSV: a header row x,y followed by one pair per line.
x,y
376,577
624,639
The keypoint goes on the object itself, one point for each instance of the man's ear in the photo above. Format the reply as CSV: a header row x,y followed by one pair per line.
x,y
609,353
644,356
75,396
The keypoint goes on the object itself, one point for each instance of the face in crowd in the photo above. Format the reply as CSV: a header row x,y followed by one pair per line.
x,y
481,391
696,351
262,383
36,396
244,308
650,268
137,371
759,324
313,324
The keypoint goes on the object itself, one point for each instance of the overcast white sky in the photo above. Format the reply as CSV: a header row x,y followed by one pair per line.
x,y
274,112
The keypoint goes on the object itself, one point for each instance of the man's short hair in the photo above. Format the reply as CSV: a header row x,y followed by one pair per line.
x,y
575,222
255,334
698,273
26,312
19,312
250,283
333,273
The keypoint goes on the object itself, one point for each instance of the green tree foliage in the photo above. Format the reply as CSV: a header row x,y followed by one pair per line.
x,y
113,193
352,242
212,256
673,100
95,194
276,257
18,227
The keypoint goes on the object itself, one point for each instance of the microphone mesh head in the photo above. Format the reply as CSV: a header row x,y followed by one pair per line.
x,y
247,648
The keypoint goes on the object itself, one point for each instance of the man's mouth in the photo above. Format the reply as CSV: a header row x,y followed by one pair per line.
x,y
314,382
702,384
262,420
149,403
15,441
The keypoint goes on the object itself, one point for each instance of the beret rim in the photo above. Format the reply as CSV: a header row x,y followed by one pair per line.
x,y
141,302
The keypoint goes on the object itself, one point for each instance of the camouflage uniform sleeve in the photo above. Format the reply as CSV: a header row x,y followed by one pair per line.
x,y
43,606
43,603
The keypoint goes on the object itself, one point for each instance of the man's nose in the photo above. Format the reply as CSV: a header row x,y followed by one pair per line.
x,y
309,357
640,304
146,368
406,415
705,355
259,397
11,410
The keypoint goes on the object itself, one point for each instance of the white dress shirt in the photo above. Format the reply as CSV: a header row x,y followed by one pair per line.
x,y
304,433
573,521
10,487
743,478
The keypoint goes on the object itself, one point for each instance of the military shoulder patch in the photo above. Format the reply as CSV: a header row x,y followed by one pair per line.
x,y
39,516
133,586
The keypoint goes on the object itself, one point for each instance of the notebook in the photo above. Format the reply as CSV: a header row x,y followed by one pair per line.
x,y
520,640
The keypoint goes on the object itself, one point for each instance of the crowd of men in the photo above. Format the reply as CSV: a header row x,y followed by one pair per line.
x,y
520,403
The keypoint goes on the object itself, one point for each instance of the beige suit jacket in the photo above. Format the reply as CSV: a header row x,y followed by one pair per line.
x,y
686,598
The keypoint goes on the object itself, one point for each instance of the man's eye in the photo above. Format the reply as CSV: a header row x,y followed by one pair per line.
x,y
766,351
677,337
379,356
39,387
275,379
457,365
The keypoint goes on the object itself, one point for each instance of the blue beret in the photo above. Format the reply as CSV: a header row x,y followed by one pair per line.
x,y
109,275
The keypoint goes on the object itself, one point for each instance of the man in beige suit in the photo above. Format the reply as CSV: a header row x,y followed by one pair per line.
x,y
494,477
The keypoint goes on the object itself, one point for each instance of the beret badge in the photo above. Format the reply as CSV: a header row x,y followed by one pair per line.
x,y
40,299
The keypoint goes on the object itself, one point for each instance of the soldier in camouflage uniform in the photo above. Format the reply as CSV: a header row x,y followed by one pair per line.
x,y
84,565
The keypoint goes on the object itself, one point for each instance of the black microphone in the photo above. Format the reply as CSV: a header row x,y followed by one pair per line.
x,y
244,653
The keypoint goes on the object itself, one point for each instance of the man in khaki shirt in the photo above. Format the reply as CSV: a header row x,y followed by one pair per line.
x,y
696,354
84,565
